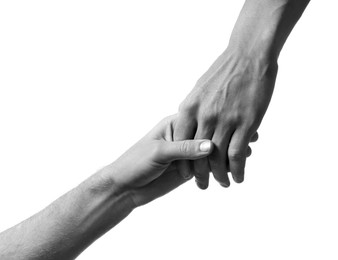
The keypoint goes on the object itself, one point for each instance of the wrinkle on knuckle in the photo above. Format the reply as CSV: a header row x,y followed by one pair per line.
x,y
184,147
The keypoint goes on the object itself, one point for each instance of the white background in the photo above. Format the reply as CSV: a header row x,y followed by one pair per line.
x,y
81,81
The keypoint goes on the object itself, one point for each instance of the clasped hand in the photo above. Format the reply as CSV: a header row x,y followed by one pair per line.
x,y
226,106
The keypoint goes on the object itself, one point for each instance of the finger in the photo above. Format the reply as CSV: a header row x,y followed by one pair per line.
x,y
201,166
201,170
248,151
185,128
254,138
183,150
237,155
217,159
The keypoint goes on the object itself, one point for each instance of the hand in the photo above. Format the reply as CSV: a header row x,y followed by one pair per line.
x,y
226,106
85,213
146,169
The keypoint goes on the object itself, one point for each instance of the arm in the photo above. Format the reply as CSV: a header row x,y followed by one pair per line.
x,y
70,224
263,27
229,101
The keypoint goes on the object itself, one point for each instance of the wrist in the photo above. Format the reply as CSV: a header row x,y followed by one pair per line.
x,y
264,25
103,185
259,57
250,64
106,203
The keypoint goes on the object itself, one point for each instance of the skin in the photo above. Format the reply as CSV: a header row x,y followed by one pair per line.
x,y
226,106
74,221
71,223
229,101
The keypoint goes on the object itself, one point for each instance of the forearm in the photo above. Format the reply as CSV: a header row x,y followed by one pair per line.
x,y
70,224
264,25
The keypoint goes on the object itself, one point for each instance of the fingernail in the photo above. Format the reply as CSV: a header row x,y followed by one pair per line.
x,y
205,146
239,180
202,186
225,185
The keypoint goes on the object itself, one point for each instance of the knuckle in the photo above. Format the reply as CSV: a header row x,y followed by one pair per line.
x,y
182,106
234,117
200,172
236,155
209,118
188,106
184,147
167,119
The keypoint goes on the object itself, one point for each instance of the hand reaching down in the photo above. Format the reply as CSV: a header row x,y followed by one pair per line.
x,y
226,106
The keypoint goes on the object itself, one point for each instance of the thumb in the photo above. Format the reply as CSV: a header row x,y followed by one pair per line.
x,y
187,149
